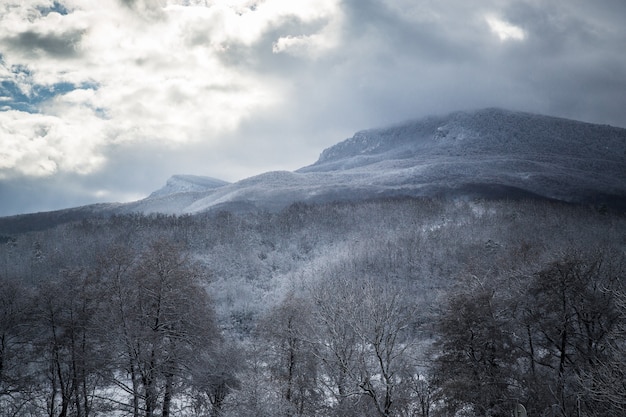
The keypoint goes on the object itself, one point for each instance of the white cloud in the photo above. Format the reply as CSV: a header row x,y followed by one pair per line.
x,y
308,46
155,71
504,30
41,145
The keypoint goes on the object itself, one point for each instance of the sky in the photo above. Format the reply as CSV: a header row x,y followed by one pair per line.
x,y
104,100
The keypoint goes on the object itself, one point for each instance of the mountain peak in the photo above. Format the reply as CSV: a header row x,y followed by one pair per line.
x,y
479,132
187,183
488,153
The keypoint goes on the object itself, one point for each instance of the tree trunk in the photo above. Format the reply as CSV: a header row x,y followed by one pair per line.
x,y
167,398
133,376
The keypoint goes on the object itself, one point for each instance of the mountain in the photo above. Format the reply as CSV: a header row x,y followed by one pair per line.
x,y
179,192
489,153
492,151
187,183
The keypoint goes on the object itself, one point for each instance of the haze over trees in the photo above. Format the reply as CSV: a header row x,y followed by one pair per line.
x,y
398,307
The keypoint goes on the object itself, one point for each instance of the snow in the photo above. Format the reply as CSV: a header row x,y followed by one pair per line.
x,y
187,183
485,151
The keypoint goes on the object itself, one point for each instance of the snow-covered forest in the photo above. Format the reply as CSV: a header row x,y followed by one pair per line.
x,y
398,307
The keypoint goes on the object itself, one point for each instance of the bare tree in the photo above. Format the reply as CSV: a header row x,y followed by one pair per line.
x,y
291,355
475,354
575,316
367,344
65,316
213,378
164,319
605,383
17,379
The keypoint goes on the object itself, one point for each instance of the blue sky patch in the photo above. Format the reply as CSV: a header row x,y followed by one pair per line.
x,y
56,8
14,98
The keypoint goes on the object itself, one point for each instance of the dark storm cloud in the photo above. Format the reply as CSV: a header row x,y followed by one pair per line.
x,y
395,35
568,59
389,67
572,58
393,66
63,45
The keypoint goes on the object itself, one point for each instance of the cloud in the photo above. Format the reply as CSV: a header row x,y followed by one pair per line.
x,y
63,45
40,145
505,30
118,95
308,46
156,72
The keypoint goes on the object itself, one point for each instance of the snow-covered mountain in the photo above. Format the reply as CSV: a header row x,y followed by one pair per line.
x,y
490,153
186,184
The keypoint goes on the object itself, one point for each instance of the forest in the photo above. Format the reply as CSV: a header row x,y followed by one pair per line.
x,y
407,307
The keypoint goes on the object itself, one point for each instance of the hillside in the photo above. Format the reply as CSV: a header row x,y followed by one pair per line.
x,y
489,153
468,289
500,150
308,297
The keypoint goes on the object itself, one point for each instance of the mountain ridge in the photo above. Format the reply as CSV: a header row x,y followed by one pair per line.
x,y
181,183
504,153
459,127
487,153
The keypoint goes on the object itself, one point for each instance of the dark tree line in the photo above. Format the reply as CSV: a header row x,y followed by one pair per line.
x,y
541,339
382,308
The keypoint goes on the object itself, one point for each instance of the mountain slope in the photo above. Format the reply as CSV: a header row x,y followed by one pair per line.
x,y
187,183
488,131
179,192
487,153
547,156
